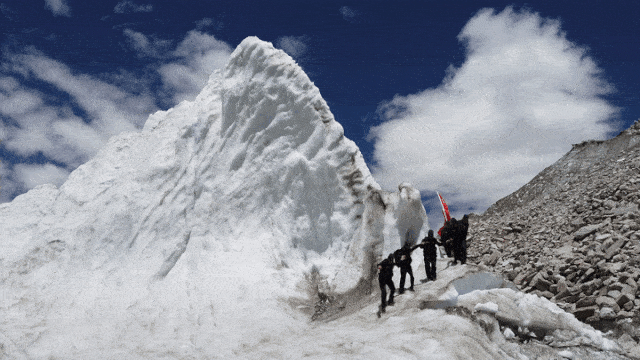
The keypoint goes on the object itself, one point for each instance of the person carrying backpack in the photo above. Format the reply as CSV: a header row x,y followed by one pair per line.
x,y
403,260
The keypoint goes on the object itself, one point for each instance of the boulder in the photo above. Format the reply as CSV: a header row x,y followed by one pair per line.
x,y
624,298
614,294
607,313
613,249
605,301
628,306
585,312
585,231
492,259
586,301
540,283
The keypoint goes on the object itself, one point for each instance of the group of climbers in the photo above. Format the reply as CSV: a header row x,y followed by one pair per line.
x,y
453,237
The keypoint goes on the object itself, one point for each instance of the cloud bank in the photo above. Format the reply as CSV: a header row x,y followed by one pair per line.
x,y
523,95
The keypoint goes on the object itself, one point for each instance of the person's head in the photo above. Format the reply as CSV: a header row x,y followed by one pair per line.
x,y
453,221
430,233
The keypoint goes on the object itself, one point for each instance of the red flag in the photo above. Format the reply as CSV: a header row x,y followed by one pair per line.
x,y
445,209
445,212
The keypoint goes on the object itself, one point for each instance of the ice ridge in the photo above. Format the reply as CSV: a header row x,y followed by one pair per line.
x,y
213,214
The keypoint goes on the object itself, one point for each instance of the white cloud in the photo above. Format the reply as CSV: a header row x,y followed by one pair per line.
x,y
127,6
70,118
186,68
293,45
58,7
146,47
349,14
193,60
34,123
19,102
33,175
208,23
523,95
111,109
9,187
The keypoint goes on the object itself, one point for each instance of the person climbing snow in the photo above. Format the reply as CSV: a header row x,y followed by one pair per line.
x,y
403,260
385,278
429,247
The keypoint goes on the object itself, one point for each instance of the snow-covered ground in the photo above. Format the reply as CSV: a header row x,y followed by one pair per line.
x,y
211,234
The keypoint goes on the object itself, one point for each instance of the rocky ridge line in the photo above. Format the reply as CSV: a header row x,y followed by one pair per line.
x,y
572,234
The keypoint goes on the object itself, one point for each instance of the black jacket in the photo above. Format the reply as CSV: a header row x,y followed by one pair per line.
x,y
428,245
385,268
403,255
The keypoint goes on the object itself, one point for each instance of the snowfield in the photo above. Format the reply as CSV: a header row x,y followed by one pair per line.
x,y
212,233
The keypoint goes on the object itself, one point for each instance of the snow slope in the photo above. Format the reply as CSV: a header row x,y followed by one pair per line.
x,y
194,235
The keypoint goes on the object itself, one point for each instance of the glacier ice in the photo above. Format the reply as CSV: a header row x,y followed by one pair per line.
x,y
197,229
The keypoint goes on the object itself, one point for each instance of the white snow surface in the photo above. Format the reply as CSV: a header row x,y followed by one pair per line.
x,y
209,234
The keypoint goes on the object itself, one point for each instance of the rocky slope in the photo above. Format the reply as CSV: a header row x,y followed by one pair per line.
x,y
572,234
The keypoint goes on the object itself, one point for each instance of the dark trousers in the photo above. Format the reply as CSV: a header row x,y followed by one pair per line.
x,y
430,268
460,252
448,248
403,274
463,252
384,282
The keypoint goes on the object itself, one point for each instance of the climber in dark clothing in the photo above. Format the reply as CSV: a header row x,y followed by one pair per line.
x,y
385,278
456,240
463,232
460,240
429,247
446,236
403,260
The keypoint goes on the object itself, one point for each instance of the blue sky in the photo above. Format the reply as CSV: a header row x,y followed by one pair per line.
x,y
469,98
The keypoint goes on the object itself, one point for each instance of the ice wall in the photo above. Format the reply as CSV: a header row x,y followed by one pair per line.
x,y
194,233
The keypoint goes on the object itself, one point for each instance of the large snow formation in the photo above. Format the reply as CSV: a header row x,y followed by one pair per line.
x,y
192,236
